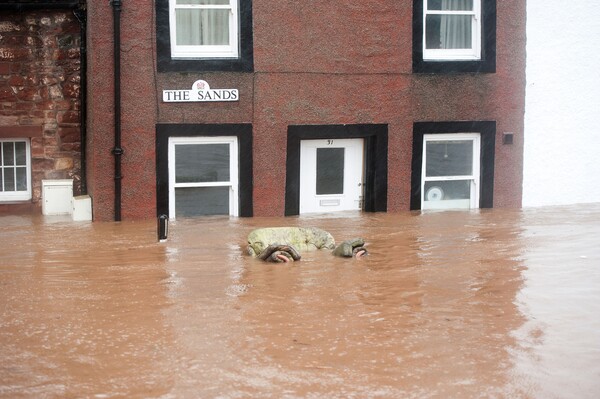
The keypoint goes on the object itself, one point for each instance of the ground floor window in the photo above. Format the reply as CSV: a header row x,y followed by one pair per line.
x,y
453,165
450,177
204,169
15,170
203,176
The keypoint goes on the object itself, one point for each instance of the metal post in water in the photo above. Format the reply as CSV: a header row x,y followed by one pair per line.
x,y
163,228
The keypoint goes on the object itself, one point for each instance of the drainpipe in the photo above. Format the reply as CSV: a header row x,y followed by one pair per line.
x,y
80,13
117,150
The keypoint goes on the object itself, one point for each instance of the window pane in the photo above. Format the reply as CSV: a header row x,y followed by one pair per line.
x,y
9,179
447,190
202,27
450,5
449,158
8,155
21,179
203,2
448,32
201,163
21,156
330,171
201,201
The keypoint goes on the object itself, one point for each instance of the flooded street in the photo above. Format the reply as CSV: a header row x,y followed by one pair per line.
x,y
488,304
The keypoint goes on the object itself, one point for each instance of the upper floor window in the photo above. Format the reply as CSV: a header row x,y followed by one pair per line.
x,y
204,28
452,30
204,35
454,36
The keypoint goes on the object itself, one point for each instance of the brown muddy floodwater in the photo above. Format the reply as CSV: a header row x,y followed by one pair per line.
x,y
486,304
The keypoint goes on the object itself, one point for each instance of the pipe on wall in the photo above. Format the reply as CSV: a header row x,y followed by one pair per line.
x,y
81,15
117,150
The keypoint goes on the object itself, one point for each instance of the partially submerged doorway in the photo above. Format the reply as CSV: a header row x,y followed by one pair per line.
x,y
331,176
329,168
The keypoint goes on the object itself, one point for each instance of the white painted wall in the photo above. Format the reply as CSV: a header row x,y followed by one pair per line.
x,y
562,106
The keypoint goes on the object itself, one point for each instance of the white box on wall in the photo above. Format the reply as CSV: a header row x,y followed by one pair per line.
x,y
82,208
57,197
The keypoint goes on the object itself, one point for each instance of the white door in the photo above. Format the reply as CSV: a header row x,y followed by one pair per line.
x,y
331,175
450,172
203,176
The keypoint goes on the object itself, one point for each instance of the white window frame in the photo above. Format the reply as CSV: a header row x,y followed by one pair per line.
x,y
233,182
185,51
7,196
474,53
474,178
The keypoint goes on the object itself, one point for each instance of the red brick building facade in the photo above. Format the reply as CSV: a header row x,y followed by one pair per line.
x,y
306,75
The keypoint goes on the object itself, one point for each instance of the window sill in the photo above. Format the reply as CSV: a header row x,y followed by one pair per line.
x,y
451,59
168,64
454,66
14,201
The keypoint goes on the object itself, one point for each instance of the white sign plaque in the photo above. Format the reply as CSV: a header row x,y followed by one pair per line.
x,y
201,92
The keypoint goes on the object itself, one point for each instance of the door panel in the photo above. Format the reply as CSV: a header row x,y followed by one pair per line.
x,y
331,175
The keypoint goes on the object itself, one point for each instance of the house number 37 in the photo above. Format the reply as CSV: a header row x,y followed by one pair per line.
x,y
329,142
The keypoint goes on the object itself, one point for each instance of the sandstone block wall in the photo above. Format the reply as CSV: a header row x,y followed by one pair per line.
x,y
39,87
